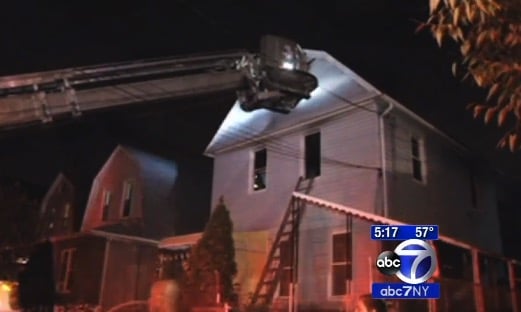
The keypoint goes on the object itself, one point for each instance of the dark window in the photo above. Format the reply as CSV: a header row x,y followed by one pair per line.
x,y
454,262
494,271
260,162
286,264
127,198
107,196
341,269
312,155
417,160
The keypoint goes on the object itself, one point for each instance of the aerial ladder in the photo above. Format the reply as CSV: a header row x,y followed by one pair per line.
x,y
276,78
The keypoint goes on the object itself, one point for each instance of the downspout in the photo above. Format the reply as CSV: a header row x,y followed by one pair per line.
x,y
383,160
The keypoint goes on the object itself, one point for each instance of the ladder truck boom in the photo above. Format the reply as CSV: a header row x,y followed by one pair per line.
x,y
276,78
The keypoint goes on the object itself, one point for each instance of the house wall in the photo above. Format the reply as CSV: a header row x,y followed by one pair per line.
x,y
86,268
348,141
129,272
445,198
349,176
117,170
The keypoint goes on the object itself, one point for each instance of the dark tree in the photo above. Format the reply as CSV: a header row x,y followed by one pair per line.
x,y
214,252
488,34
18,215
37,280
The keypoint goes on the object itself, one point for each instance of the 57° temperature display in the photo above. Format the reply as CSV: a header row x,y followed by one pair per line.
x,y
404,232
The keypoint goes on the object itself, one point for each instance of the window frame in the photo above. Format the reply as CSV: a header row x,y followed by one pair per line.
x,y
348,263
284,269
253,170
418,159
66,270
106,200
128,193
305,154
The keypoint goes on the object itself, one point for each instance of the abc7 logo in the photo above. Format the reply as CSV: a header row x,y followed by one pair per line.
x,y
413,261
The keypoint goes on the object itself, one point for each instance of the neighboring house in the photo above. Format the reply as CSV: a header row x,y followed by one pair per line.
x,y
361,149
57,209
113,259
133,194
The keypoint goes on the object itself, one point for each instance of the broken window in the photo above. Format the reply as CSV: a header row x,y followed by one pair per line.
x,y
417,160
66,269
127,198
260,161
312,155
341,270
107,197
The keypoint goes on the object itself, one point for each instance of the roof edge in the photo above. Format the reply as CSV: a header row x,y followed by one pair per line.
x,y
424,122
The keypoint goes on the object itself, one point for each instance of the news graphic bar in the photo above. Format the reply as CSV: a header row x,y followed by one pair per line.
x,y
406,291
404,232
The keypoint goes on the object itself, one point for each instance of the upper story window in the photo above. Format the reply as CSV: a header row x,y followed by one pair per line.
x,y
128,192
417,158
260,162
107,198
312,155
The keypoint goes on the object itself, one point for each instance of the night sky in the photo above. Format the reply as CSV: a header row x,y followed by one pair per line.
x,y
374,38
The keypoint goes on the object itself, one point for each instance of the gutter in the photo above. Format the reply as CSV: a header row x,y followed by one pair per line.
x,y
114,236
385,192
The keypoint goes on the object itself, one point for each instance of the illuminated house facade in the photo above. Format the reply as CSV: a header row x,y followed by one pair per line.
x,y
363,150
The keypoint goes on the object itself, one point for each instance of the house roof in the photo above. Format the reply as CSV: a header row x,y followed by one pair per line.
x,y
158,178
340,89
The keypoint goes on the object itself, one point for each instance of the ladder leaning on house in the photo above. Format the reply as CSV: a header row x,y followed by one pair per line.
x,y
288,231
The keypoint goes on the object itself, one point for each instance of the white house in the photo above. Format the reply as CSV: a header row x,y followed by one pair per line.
x,y
362,149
